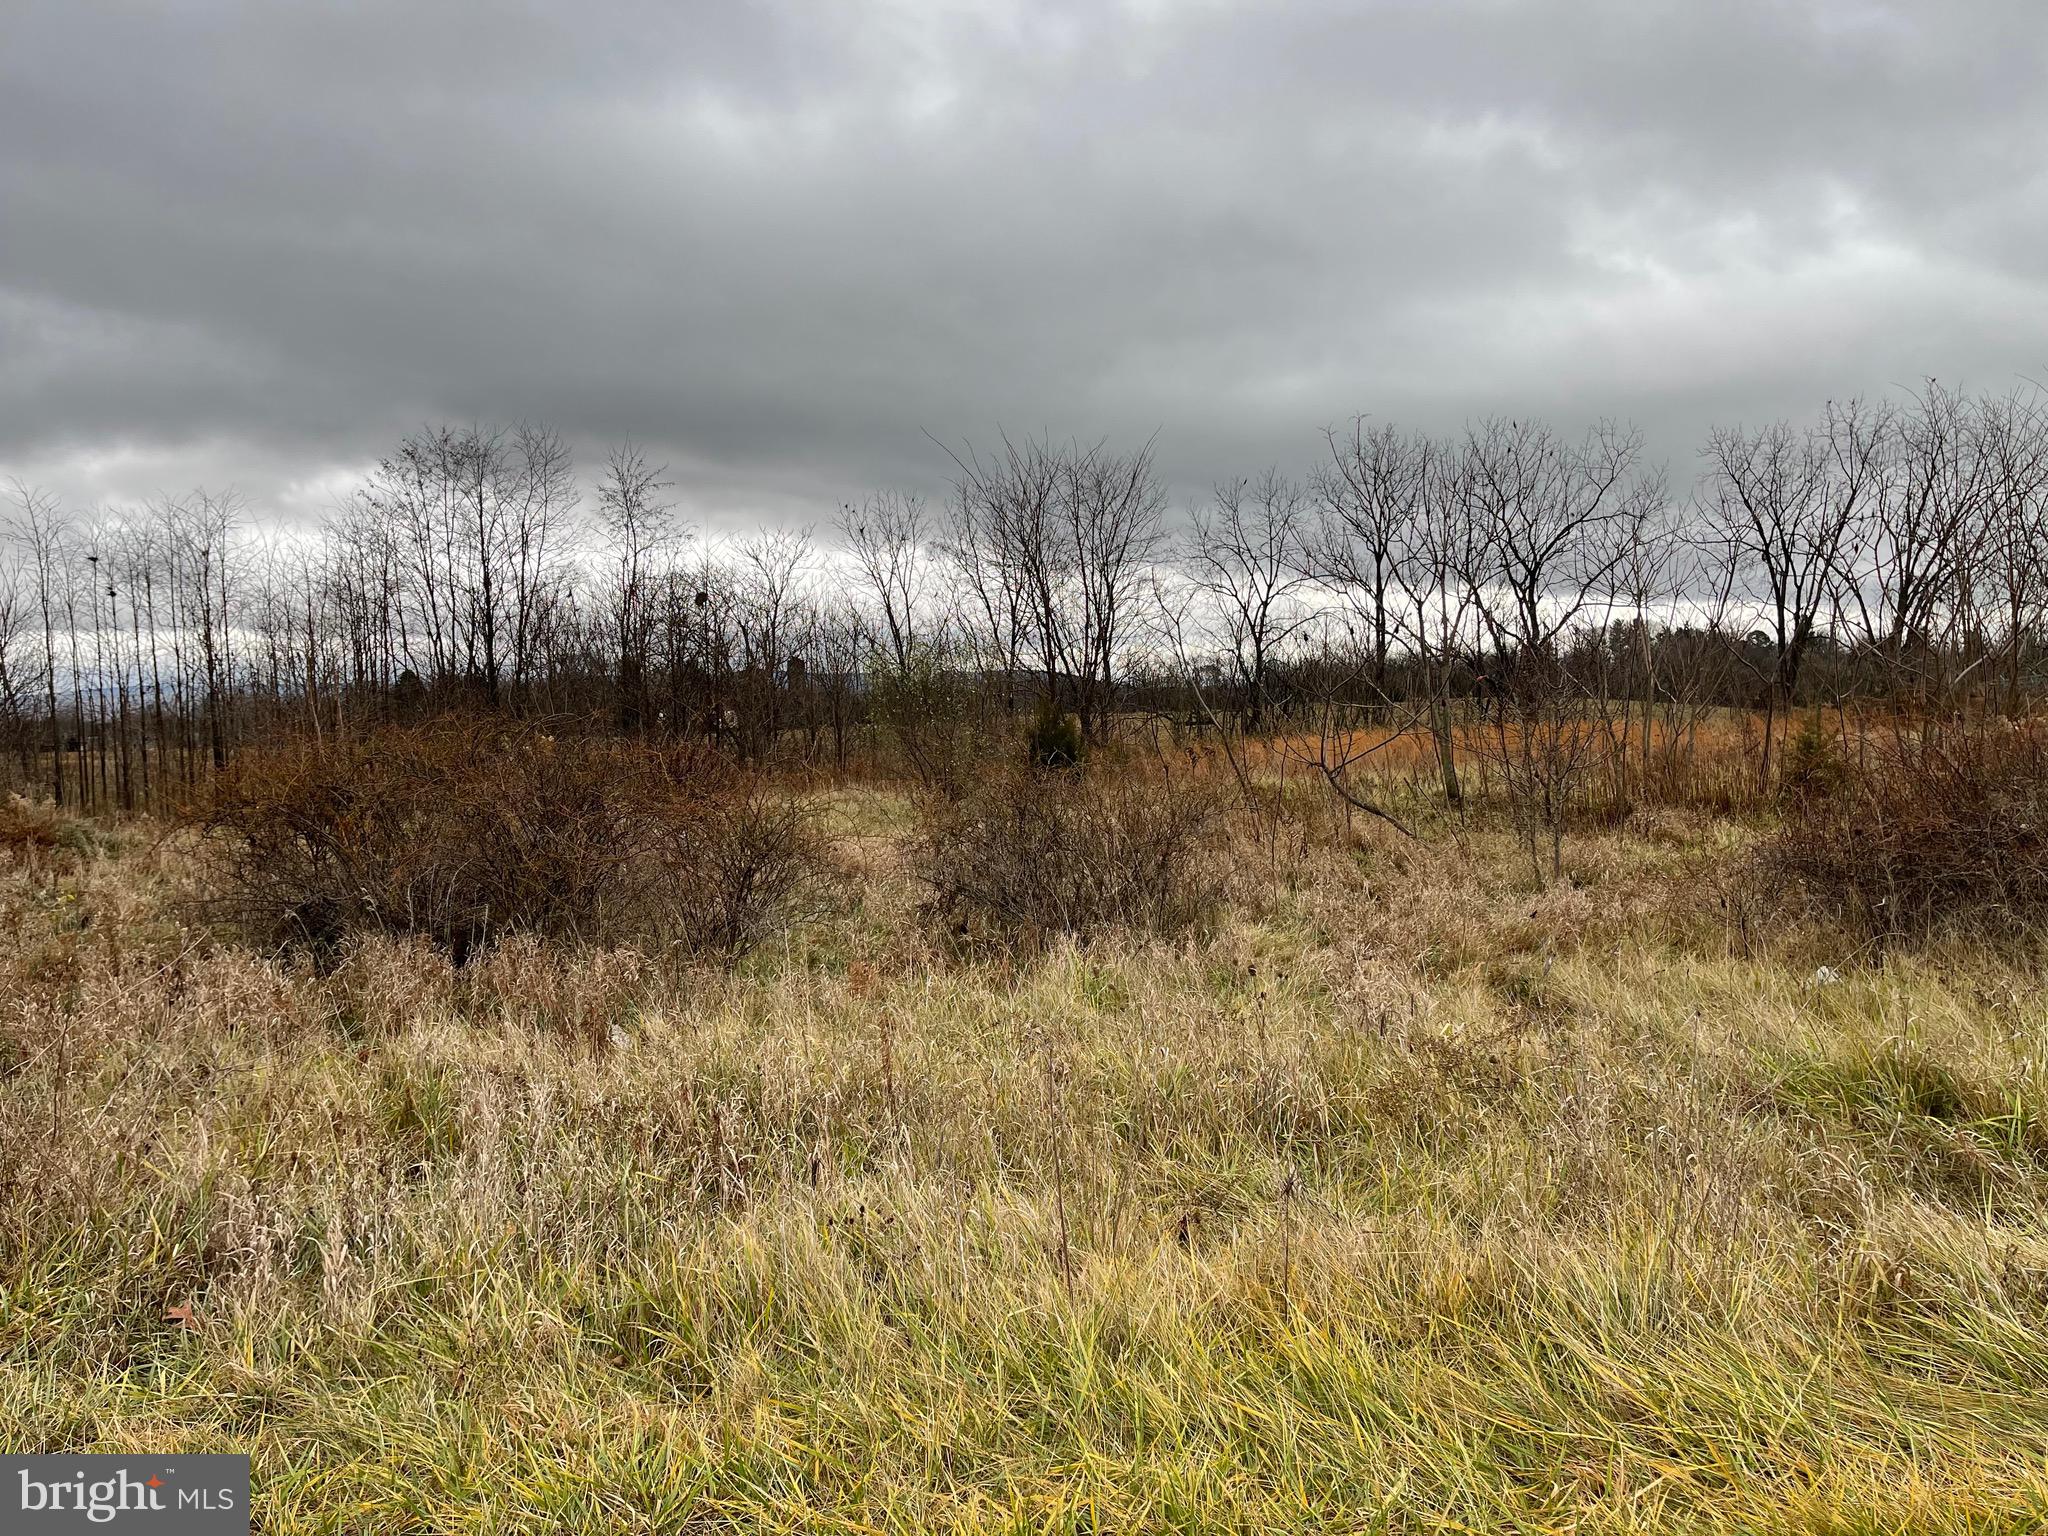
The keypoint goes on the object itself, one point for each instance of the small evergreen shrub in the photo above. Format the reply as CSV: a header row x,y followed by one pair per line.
x,y
1813,767
1054,740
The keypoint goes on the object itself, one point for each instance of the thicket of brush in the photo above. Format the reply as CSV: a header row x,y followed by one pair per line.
x,y
1034,852
1938,825
467,830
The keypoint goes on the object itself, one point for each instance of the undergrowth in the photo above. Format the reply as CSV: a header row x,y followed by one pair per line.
x,y
1393,1197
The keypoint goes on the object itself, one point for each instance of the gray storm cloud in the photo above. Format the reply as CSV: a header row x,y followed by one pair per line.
x,y
252,244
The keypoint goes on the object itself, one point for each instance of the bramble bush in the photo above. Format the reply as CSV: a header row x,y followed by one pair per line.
x,y
464,830
1034,852
1938,828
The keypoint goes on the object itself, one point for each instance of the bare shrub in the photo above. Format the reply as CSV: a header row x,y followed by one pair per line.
x,y
1939,828
463,831
734,873
1036,852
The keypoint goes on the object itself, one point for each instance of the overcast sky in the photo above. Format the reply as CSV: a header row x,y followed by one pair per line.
x,y
252,244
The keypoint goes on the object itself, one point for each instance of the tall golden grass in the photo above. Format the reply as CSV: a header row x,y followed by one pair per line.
x,y
1403,1200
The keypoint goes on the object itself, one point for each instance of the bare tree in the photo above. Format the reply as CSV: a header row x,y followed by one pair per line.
x,y
772,620
1371,495
638,527
890,538
543,498
1246,557
1903,583
1551,523
1786,504
1437,595
207,524
17,670
39,528
1057,546
1115,509
1648,575
2012,581
1004,554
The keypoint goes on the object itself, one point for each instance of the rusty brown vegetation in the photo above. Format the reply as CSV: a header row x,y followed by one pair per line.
x,y
469,830
1461,995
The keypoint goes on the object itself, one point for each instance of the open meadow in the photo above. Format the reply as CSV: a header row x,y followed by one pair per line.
x,y
1392,1194
1017,769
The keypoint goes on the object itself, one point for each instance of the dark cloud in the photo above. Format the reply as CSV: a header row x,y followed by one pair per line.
x,y
779,243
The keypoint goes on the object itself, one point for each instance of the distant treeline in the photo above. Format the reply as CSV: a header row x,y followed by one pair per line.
x,y
1889,553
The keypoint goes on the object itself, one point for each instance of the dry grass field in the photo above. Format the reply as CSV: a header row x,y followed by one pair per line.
x,y
1398,1198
